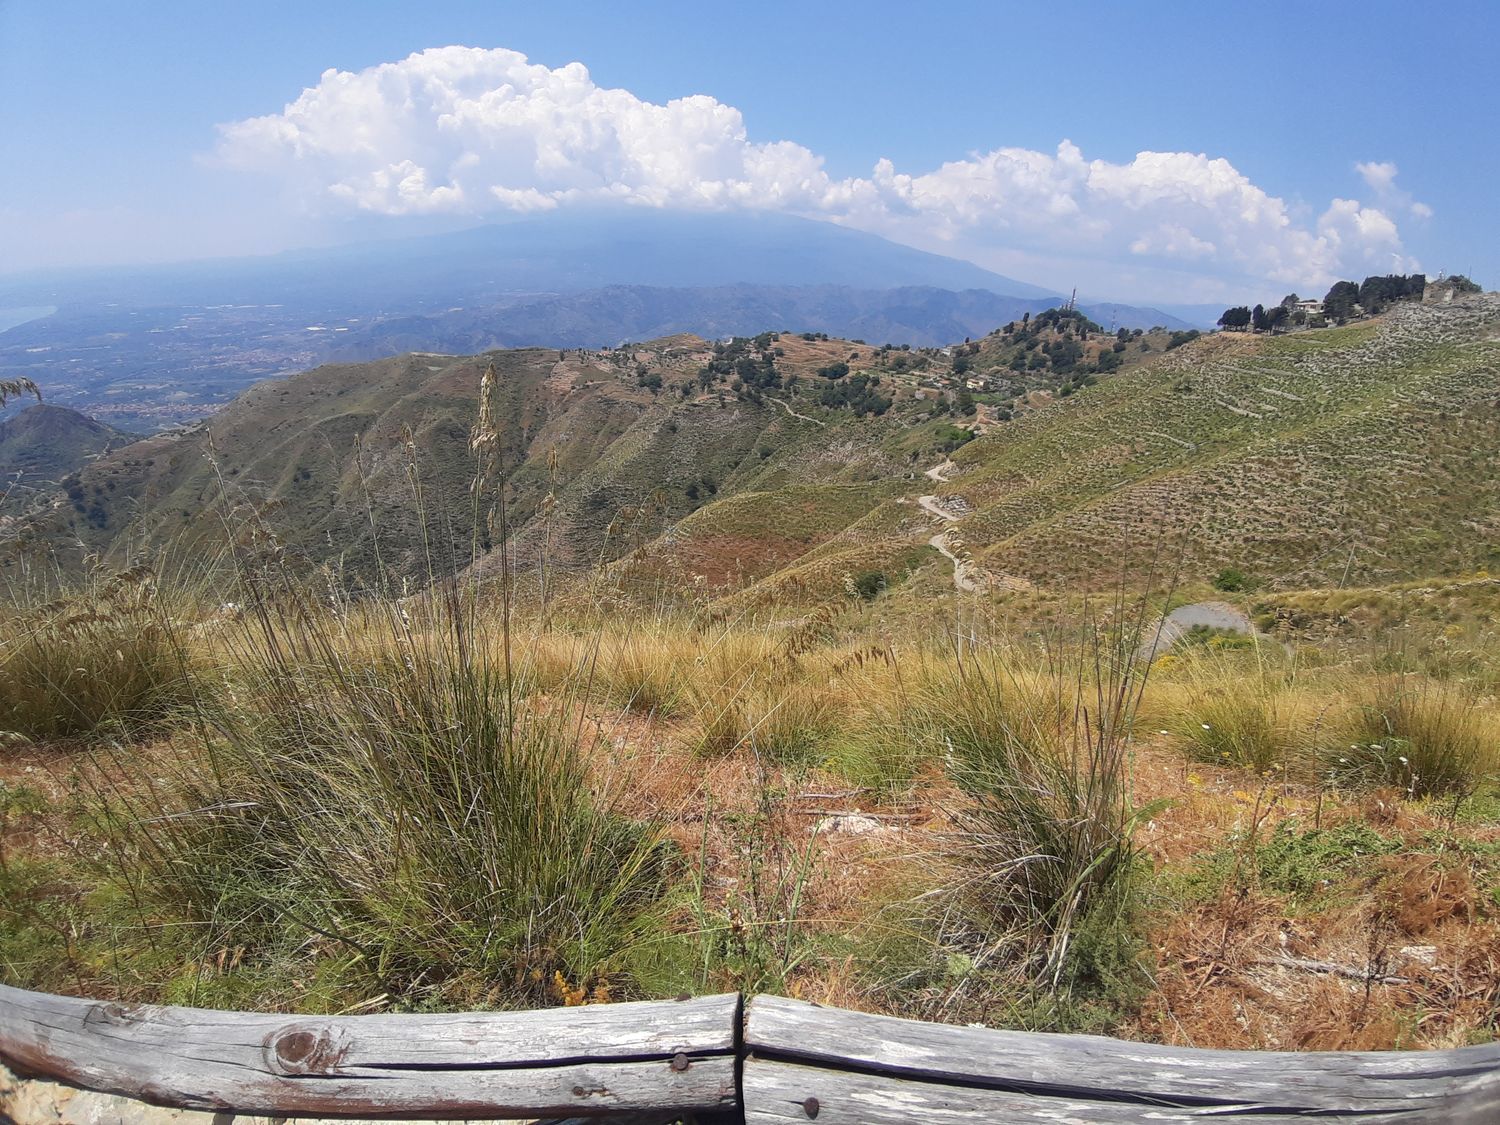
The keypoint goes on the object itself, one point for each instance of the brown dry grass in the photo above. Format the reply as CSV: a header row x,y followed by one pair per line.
x,y
1214,984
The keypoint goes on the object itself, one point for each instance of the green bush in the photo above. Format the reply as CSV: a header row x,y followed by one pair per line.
x,y
1231,580
869,584
1303,863
412,814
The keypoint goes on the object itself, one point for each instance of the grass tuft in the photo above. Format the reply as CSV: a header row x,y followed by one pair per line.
x,y
1043,849
105,657
397,795
1426,737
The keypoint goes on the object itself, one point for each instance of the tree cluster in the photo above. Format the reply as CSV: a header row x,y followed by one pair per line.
x,y
857,393
1346,300
750,363
1258,319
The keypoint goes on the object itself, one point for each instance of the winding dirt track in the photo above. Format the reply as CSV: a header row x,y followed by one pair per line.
x,y
788,408
967,577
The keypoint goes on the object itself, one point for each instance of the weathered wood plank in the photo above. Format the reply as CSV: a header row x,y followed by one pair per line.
x,y
606,1059
1085,1067
783,1093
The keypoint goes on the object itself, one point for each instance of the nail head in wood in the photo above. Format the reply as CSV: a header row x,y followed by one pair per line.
x,y
679,1062
810,1107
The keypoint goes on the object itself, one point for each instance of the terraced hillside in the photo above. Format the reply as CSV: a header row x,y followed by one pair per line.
x,y
1360,455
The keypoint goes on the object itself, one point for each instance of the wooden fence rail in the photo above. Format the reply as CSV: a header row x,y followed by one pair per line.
x,y
660,1060
704,1060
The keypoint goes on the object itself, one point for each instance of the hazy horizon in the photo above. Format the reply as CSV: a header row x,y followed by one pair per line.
x,y
1166,154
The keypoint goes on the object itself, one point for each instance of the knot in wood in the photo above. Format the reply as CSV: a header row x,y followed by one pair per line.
x,y
300,1050
810,1107
292,1049
113,1013
680,1062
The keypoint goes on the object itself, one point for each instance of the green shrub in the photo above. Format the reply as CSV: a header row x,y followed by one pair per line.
x,y
1231,580
412,813
1304,863
869,584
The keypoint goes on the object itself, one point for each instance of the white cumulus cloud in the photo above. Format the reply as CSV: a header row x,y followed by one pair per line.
x,y
473,131
1380,177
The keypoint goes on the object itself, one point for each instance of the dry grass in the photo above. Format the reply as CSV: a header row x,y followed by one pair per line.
x,y
108,656
1427,737
734,750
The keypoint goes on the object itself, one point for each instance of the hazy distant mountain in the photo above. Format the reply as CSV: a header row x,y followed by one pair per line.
x,y
152,347
147,368
552,254
1200,316
920,316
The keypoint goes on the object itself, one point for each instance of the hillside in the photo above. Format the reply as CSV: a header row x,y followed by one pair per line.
x,y
779,468
625,443
915,315
44,443
1355,455
787,603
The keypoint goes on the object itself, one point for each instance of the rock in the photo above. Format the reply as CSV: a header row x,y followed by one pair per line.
x,y
851,823
1422,954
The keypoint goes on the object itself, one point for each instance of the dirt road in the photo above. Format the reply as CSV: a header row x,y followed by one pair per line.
x,y
967,577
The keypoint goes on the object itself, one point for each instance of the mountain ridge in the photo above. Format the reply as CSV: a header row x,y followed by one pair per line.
x,y
557,253
773,468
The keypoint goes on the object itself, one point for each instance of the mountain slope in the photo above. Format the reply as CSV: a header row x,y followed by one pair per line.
x,y
44,443
775,471
562,252
1322,458
597,460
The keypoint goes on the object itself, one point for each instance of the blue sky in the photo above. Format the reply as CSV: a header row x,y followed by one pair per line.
x,y
157,131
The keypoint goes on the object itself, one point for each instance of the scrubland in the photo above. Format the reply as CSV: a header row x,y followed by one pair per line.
x,y
297,801
275,782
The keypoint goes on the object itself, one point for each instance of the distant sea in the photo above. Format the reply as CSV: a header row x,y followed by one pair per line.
x,y
9,318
